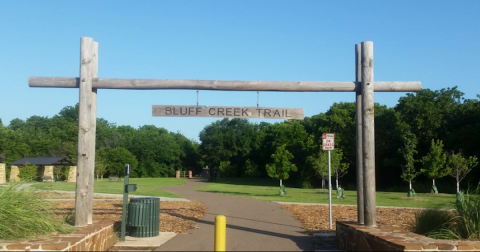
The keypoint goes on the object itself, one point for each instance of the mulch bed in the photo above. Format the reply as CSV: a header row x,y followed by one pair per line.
x,y
315,218
177,217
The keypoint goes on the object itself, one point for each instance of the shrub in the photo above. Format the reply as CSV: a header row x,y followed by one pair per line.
x,y
28,173
429,221
464,223
24,215
468,208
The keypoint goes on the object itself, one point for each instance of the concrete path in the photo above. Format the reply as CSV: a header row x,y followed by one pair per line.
x,y
252,225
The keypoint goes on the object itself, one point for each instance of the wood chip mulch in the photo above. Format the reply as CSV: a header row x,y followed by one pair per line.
x,y
315,218
177,217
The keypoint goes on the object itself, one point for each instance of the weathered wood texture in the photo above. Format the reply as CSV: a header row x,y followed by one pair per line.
x,y
226,85
93,133
359,138
86,135
368,135
221,111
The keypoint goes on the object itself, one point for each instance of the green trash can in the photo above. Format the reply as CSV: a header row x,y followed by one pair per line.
x,y
143,217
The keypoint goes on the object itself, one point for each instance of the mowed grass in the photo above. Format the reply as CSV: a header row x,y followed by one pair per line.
x,y
145,186
268,190
263,189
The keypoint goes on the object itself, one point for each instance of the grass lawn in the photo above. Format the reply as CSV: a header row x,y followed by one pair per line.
x,y
145,186
268,190
263,189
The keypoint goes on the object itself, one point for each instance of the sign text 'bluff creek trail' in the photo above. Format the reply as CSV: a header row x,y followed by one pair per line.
x,y
226,111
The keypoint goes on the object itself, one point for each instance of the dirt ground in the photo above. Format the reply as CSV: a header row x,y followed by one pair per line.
x,y
179,217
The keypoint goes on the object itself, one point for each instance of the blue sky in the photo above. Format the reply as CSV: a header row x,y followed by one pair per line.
x,y
435,42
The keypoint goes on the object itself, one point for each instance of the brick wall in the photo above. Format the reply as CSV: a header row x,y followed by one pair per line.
x,y
96,237
351,236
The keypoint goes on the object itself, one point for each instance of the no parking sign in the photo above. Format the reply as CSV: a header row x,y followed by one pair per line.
x,y
328,141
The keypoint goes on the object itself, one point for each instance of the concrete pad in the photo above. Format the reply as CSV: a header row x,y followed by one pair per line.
x,y
147,243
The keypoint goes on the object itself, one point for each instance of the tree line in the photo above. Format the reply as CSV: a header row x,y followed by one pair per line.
x,y
428,140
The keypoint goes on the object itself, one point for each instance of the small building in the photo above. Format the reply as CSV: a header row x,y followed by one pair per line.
x,y
45,167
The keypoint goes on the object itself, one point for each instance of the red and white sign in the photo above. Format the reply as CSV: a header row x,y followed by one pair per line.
x,y
328,141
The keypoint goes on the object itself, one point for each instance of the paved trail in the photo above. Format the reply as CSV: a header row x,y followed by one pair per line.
x,y
252,225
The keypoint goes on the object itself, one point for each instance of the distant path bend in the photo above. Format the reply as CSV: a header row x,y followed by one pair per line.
x,y
252,225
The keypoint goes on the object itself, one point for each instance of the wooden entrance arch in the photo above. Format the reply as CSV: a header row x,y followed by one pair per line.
x,y
363,86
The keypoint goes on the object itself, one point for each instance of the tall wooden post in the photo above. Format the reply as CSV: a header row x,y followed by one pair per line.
x,y
93,133
86,134
358,129
368,135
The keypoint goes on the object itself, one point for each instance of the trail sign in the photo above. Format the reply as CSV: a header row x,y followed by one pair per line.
x,y
328,141
238,112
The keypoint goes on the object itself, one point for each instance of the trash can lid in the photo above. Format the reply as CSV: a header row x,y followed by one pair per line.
x,y
144,199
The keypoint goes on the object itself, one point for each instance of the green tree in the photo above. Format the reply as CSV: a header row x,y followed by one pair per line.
x,y
106,134
158,152
338,167
251,169
225,168
227,140
460,166
60,172
465,133
280,167
408,150
191,158
429,113
28,172
258,157
101,164
115,160
341,121
292,134
12,144
127,137
34,133
321,168
63,128
434,163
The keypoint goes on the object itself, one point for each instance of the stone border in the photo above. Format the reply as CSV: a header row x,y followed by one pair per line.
x,y
96,237
351,236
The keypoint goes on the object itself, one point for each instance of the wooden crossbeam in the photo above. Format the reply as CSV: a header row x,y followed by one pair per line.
x,y
225,85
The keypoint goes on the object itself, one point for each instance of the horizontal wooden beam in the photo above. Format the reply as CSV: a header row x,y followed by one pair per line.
x,y
226,85
223,111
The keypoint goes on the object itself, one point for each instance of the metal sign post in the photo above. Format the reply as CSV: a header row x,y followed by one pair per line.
x,y
328,143
126,188
125,201
329,192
